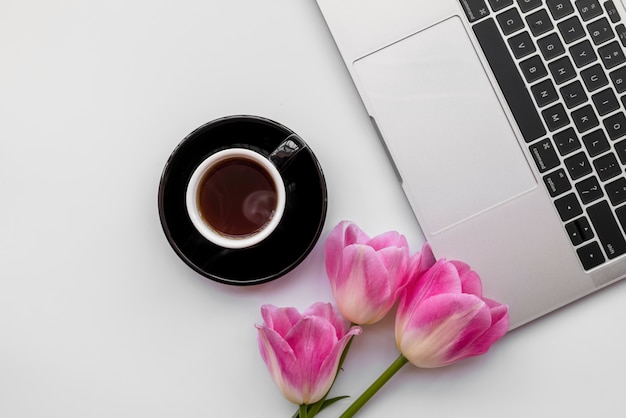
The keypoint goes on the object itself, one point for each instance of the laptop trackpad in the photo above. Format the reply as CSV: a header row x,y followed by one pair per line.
x,y
443,125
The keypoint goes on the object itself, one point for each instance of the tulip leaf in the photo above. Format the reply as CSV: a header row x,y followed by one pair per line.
x,y
331,401
320,405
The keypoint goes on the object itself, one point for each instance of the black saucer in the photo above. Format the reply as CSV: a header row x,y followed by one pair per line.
x,y
298,230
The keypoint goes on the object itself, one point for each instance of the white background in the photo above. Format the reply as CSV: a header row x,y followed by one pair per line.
x,y
100,318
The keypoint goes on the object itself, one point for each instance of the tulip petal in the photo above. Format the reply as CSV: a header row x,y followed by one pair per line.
x,y
470,280
354,235
499,327
395,260
317,352
280,319
281,362
388,239
417,265
312,340
333,248
441,278
432,335
362,289
344,234
328,369
328,312
420,262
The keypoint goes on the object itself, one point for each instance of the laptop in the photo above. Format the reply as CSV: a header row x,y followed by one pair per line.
x,y
505,122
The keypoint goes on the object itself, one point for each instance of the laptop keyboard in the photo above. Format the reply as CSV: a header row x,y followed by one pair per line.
x,y
561,66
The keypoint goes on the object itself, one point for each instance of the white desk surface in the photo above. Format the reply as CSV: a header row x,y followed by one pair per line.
x,y
100,318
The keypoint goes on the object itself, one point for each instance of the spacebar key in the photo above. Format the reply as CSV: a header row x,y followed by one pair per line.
x,y
509,79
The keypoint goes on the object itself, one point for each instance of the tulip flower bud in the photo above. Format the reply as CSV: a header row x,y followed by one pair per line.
x,y
442,316
366,274
302,351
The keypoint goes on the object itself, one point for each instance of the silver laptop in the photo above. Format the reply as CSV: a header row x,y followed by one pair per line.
x,y
505,122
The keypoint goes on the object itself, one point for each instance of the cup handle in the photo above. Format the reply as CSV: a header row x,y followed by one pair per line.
x,y
284,154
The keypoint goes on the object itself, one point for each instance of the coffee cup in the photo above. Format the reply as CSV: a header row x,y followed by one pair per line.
x,y
236,197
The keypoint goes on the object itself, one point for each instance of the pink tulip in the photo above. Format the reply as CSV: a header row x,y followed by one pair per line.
x,y
302,351
366,274
442,316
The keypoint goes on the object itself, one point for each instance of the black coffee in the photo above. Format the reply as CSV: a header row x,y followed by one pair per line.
x,y
237,197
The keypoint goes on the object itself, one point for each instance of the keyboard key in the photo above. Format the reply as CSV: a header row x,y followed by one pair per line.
x,y
510,21
544,155
588,9
573,94
571,29
555,117
551,46
600,31
607,167
596,142
615,126
612,11
544,93
589,190
539,22
578,166
606,227
533,68
579,231
621,33
594,77
590,255
583,53
566,141
522,45
621,216
528,5
560,8
616,190
475,9
585,118
568,207
500,4
620,149
605,102
612,55
619,79
573,233
562,70
585,228
557,183
509,79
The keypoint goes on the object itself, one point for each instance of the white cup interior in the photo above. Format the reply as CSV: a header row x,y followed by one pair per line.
x,y
192,201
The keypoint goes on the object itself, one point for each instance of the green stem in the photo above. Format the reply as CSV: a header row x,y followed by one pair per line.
x,y
303,411
375,387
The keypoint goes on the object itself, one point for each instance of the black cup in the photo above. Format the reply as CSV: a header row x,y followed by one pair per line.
x,y
305,202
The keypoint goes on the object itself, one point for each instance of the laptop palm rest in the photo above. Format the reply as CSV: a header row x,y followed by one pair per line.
x,y
438,113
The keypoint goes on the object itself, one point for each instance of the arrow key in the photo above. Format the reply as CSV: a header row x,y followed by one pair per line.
x,y
568,207
590,255
579,231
